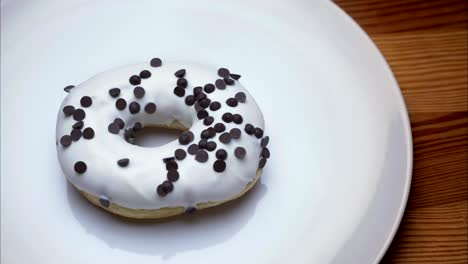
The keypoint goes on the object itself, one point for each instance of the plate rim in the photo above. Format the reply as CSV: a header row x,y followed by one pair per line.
x,y
404,114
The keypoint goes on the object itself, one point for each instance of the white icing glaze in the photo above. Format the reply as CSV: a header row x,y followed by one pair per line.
x,y
135,186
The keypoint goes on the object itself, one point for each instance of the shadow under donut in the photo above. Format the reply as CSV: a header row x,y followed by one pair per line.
x,y
168,236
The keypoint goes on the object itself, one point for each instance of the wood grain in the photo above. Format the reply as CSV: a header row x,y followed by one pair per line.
x,y
440,159
435,234
380,16
430,67
426,45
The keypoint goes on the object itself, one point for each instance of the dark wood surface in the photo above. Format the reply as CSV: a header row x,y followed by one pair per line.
x,y
425,43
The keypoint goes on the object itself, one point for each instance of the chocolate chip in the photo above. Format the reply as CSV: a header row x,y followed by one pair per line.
x,y
241,97
235,76
205,102
266,153
113,128
249,129
209,88
137,126
197,107
123,162
168,186
193,149
79,114
186,137
121,104
134,107
150,108
229,81
190,134
189,100
68,110
180,73
265,141
68,88
227,117
155,62
208,120
237,119
239,152
202,144
202,156
119,122
86,101
182,82
220,84
129,132
166,160
223,72
197,90
75,134
235,133
172,165
221,154
211,145
129,136
202,114
225,138
215,106
78,125
212,132
172,175
135,80
145,74
114,92
191,210
262,163
179,91
139,92
219,127
80,167
104,202
66,140
161,190
232,102
205,134
200,96
88,133
258,132
180,154
219,165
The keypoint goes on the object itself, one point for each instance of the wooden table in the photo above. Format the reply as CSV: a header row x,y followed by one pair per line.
x,y
425,43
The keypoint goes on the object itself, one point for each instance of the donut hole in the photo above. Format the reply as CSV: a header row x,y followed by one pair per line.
x,y
152,131
152,137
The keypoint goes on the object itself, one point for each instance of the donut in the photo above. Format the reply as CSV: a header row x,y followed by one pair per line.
x,y
218,156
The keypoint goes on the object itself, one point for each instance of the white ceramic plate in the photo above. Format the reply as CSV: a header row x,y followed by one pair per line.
x,y
333,192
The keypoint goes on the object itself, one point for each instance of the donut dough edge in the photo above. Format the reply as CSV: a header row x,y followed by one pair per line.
x,y
166,211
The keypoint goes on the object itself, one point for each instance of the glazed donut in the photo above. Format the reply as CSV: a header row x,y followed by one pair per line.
x,y
218,156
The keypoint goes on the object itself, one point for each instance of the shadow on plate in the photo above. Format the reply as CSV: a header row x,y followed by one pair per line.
x,y
170,236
